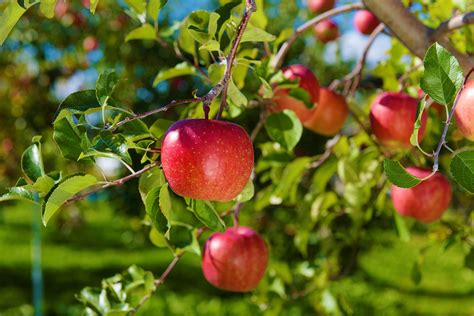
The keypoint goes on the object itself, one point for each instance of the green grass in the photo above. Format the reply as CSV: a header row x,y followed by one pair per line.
x,y
108,243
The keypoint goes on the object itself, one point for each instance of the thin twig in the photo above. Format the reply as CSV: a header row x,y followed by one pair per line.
x,y
278,60
115,183
442,141
250,7
261,122
327,153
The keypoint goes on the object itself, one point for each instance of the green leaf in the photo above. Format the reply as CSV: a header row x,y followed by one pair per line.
x,y
469,259
267,90
419,114
285,128
69,139
10,16
255,34
47,7
139,6
211,45
247,193
462,169
43,185
78,102
32,162
302,95
403,232
105,85
159,127
18,193
443,75
180,236
157,238
144,32
290,177
235,96
181,69
398,175
151,179
67,188
202,25
206,213
175,209
93,5
152,208
113,143
154,7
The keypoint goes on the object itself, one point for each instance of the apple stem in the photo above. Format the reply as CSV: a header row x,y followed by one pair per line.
x,y
442,142
206,109
236,214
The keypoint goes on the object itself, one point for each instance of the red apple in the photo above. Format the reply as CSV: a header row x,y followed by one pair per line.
x,y
326,31
426,201
90,43
235,260
207,159
307,81
392,116
329,115
464,111
61,8
320,6
365,22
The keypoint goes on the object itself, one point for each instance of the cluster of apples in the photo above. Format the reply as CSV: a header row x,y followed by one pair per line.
x,y
327,30
213,160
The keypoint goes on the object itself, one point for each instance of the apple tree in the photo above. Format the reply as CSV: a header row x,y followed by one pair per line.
x,y
253,124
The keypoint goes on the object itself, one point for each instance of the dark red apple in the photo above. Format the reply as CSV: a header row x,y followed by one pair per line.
x,y
329,115
326,31
426,201
307,81
392,116
207,159
235,260
320,6
464,111
365,22
90,43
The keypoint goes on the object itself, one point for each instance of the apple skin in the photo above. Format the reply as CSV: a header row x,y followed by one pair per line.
x,y
308,81
207,159
392,116
320,6
427,201
235,260
464,111
365,22
329,115
326,31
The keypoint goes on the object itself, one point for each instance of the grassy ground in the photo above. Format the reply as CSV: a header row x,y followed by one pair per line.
x,y
109,243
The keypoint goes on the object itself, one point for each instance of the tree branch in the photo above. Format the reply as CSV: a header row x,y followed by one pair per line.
x,y
114,183
278,60
250,7
411,31
442,141
451,25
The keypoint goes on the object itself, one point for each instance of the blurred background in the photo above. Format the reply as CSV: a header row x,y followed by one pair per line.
x,y
44,60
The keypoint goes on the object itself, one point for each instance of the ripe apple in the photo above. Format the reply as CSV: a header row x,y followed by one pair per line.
x,y
365,22
464,111
426,201
207,159
90,43
329,115
392,116
308,82
320,6
326,31
235,260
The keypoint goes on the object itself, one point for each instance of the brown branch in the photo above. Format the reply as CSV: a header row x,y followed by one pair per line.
x,y
114,183
451,25
327,153
250,7
442,141
261,122
278,60
411,31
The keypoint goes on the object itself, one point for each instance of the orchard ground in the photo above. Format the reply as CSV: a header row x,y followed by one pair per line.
x,y
77,257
